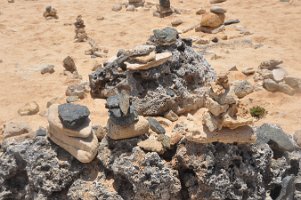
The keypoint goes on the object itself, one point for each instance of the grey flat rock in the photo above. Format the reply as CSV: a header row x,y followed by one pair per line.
x,y
73,116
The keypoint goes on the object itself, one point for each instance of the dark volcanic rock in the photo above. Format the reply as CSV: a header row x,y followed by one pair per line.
x,y
39,169
166,36
177,84
156,126
227,171
72,115
121,110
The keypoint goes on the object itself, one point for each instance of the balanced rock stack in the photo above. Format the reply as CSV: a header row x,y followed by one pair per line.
x,y
137,3
124,121
224,109
161,76
71,129
163,9
144,57
80,33
275,78
50,13
212,21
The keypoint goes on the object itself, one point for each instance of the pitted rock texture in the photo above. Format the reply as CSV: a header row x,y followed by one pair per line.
x,y
174,85
39,169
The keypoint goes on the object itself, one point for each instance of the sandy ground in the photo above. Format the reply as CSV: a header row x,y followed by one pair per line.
x,y
28,40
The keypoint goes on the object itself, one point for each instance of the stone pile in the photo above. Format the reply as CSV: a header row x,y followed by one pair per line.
x,y
50,13
274,78
224,109
80,33
70,68
124,121
213,21
71,129
163,75
163,9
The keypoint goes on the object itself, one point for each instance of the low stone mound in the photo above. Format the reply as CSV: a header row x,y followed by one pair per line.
x,y
166,74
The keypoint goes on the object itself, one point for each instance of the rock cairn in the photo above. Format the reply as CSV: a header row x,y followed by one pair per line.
x,y
50,13
71,129
163,9
213,21
224,109
163,75
80,33
124,121
275,78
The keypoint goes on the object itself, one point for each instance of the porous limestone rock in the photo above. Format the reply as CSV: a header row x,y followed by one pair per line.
x,y
15,128
177,84
118,132
242,88
30,108
151,145
83,149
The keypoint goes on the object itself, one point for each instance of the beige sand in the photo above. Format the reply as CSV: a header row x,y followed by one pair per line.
x,y
27,40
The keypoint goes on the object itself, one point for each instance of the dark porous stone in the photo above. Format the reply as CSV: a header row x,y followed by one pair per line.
x,y
73,115
166,36
112,102
156,126
41,132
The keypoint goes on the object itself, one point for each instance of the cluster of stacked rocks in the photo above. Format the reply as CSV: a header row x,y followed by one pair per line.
x,y
71,129
163,75
50,13
70,68
274,78
213,21
124,121
163,9
224,109
80,33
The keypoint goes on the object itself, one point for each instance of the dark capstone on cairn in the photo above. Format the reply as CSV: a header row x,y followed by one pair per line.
x,y
73,116
121,110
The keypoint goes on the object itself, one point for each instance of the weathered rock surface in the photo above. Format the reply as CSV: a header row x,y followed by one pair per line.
x,y
50,13
69,64
212,20
73,116
39,169
30,108
270,64
151,145
155,126
217,10
56,125
118,132
15,128
275,135
47,69
242,88
175,85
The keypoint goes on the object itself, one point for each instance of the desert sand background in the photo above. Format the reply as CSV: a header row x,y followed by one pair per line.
x,y
27,40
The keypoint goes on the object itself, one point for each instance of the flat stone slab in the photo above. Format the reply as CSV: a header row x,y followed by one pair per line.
x,y
197,133
160,59
73,115
117,132
56,125
83,149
